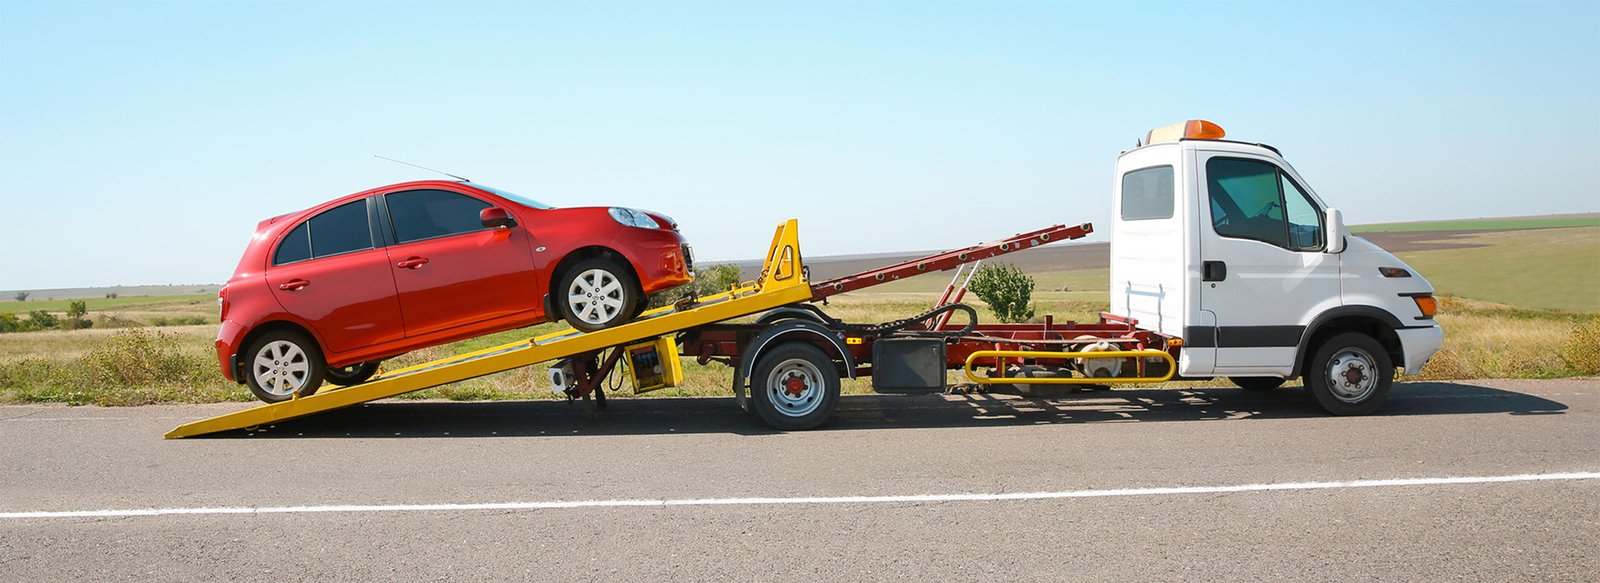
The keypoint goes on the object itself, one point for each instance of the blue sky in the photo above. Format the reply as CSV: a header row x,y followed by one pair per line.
x,y
141,142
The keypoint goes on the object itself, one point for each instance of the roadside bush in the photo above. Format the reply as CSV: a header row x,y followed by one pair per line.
x,y
710,280
42,320
1007,290
136,357
9,323
1579,351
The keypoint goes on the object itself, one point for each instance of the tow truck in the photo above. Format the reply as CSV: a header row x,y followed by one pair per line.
x,y
1224,263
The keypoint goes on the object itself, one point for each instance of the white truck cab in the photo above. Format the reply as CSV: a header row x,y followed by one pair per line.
x,y
1221,244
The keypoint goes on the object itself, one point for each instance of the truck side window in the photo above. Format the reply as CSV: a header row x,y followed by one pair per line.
x,y
1250,198
1147,194
1251,204
1305,222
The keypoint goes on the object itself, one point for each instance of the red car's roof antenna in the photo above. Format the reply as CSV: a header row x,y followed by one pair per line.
x,y
422,167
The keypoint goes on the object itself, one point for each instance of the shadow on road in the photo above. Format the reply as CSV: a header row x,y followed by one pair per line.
x,y
722,415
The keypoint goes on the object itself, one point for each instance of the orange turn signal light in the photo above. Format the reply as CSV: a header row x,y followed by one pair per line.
x,y
1427,304
1194,129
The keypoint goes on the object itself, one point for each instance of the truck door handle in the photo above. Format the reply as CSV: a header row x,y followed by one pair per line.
x,y
412,262
294,285
1213,271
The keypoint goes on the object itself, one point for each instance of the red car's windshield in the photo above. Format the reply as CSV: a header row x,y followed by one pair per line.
x,y
517,198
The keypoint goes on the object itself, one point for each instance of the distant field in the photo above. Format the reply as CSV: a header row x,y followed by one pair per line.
x,y
1588,220
102,304
1550,268
1557,269
79,293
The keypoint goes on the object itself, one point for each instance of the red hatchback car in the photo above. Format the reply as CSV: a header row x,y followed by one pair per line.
x,y
328,292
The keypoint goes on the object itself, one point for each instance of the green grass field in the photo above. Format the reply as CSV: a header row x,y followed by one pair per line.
x,y
108,304
1556,269
1482,224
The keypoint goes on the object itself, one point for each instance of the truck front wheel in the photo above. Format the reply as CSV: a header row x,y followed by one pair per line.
x,y
1350,374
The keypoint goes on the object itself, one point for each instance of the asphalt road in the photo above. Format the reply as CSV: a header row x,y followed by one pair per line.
x,y
1054,484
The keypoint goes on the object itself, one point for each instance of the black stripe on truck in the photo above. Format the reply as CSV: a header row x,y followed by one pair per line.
x,y
1243,336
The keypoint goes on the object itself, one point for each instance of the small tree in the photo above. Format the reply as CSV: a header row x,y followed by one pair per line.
x,y
1007,290
22,296
710,280
76,309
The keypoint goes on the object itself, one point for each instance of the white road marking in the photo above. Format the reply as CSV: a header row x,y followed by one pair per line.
x,y
818,500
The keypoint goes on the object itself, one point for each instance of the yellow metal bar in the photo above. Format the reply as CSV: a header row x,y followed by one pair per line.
x,y
1172,367
782,283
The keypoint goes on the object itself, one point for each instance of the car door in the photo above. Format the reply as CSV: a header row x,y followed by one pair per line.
x,y
1264,273
452,271
328,271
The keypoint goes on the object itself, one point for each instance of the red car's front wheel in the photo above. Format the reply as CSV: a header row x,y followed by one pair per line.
x,y
596,294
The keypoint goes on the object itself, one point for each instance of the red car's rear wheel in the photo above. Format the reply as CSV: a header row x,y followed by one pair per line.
x,y
281,364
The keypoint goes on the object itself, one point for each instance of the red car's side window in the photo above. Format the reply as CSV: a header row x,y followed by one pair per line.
x,y
428,214
341,229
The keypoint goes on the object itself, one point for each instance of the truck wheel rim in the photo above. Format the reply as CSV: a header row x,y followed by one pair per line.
x,y
281,368
795,387
595,296
1352,375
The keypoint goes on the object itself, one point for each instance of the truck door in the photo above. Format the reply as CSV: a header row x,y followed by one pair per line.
x,y
1264,274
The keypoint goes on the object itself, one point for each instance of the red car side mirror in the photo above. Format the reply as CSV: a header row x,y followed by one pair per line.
x,y
495,217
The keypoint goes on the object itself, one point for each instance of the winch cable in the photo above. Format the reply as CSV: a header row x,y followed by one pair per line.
x,y
901,325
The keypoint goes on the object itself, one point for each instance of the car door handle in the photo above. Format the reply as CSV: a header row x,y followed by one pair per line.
x,y
1213,271
294,285
412,263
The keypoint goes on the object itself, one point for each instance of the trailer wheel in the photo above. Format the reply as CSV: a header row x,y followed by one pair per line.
x,y
794,386
1257,383
1350,374
282,364
354,374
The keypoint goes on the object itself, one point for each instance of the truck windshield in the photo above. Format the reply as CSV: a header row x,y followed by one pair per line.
x,y
514,197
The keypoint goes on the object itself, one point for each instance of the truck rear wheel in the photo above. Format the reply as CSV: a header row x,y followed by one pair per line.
x,y
794,386
1350,374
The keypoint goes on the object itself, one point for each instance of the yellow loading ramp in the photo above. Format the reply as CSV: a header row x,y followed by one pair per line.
x,y
782,282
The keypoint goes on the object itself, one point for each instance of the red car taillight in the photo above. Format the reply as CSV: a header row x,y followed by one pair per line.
x,y
222,304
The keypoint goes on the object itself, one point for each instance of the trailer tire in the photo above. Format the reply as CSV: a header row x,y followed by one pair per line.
x,y
1350,374
1257,383
282,364
355,374
794,386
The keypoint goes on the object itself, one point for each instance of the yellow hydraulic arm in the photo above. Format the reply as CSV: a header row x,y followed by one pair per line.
x,y
782,282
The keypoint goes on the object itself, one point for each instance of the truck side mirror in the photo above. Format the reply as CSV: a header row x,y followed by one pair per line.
x,y
496,217
1335,231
